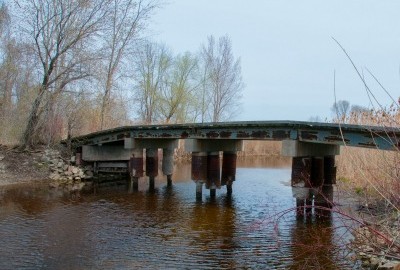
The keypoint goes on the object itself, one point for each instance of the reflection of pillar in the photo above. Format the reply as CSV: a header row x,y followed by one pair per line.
x,y
199,190
317,171
168,164
135,168
151,165
323,202
228,170
213,173
329,170
199,171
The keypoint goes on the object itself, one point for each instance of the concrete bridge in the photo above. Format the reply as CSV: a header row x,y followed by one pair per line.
x,y
312,146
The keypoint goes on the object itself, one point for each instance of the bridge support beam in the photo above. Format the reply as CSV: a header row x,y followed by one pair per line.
x,y
206,164
313,173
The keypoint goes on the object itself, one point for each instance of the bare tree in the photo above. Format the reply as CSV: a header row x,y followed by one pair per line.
x,y
358,109
126,20
61,31
151,66
223,76
341,109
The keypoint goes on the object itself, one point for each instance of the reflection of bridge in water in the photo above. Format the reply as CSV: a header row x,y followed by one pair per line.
x,y
312,146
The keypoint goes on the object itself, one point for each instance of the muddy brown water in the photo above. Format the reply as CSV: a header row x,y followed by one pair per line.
x,y
42,228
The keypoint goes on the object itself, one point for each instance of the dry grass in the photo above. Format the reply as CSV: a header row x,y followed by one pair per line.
x,y
374,176
372,173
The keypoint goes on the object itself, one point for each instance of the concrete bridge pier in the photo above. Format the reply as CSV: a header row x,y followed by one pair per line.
x,y
168,164
313,173
135,168
151,165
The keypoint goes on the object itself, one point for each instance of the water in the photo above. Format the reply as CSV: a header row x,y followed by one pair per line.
x,y
167,228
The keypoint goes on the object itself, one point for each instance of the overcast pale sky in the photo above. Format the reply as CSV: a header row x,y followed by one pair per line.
x,y
286,49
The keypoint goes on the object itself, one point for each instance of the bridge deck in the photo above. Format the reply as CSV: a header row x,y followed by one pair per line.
x,y
385,138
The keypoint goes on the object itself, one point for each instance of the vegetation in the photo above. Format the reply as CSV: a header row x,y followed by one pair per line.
x,y
372,172
70,67
374,176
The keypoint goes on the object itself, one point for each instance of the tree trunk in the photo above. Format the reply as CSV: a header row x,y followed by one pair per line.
x,y
28,137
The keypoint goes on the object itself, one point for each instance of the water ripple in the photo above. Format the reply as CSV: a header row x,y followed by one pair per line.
x,y
165,229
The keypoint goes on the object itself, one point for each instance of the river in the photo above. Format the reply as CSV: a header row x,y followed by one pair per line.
x,y
43,228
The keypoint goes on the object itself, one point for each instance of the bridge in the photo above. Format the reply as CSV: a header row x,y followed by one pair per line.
x,y
312,147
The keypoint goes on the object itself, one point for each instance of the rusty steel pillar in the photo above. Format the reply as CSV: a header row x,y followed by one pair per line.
x,y
168,164
301,171
199,166
329,170
317,172
213,172
199,171
135,167
151,165
228,170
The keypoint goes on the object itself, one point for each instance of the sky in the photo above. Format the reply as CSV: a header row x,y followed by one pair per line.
x,y
287,53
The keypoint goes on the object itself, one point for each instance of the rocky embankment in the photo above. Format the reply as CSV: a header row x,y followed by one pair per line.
x,y
378,247
64,173
42,164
